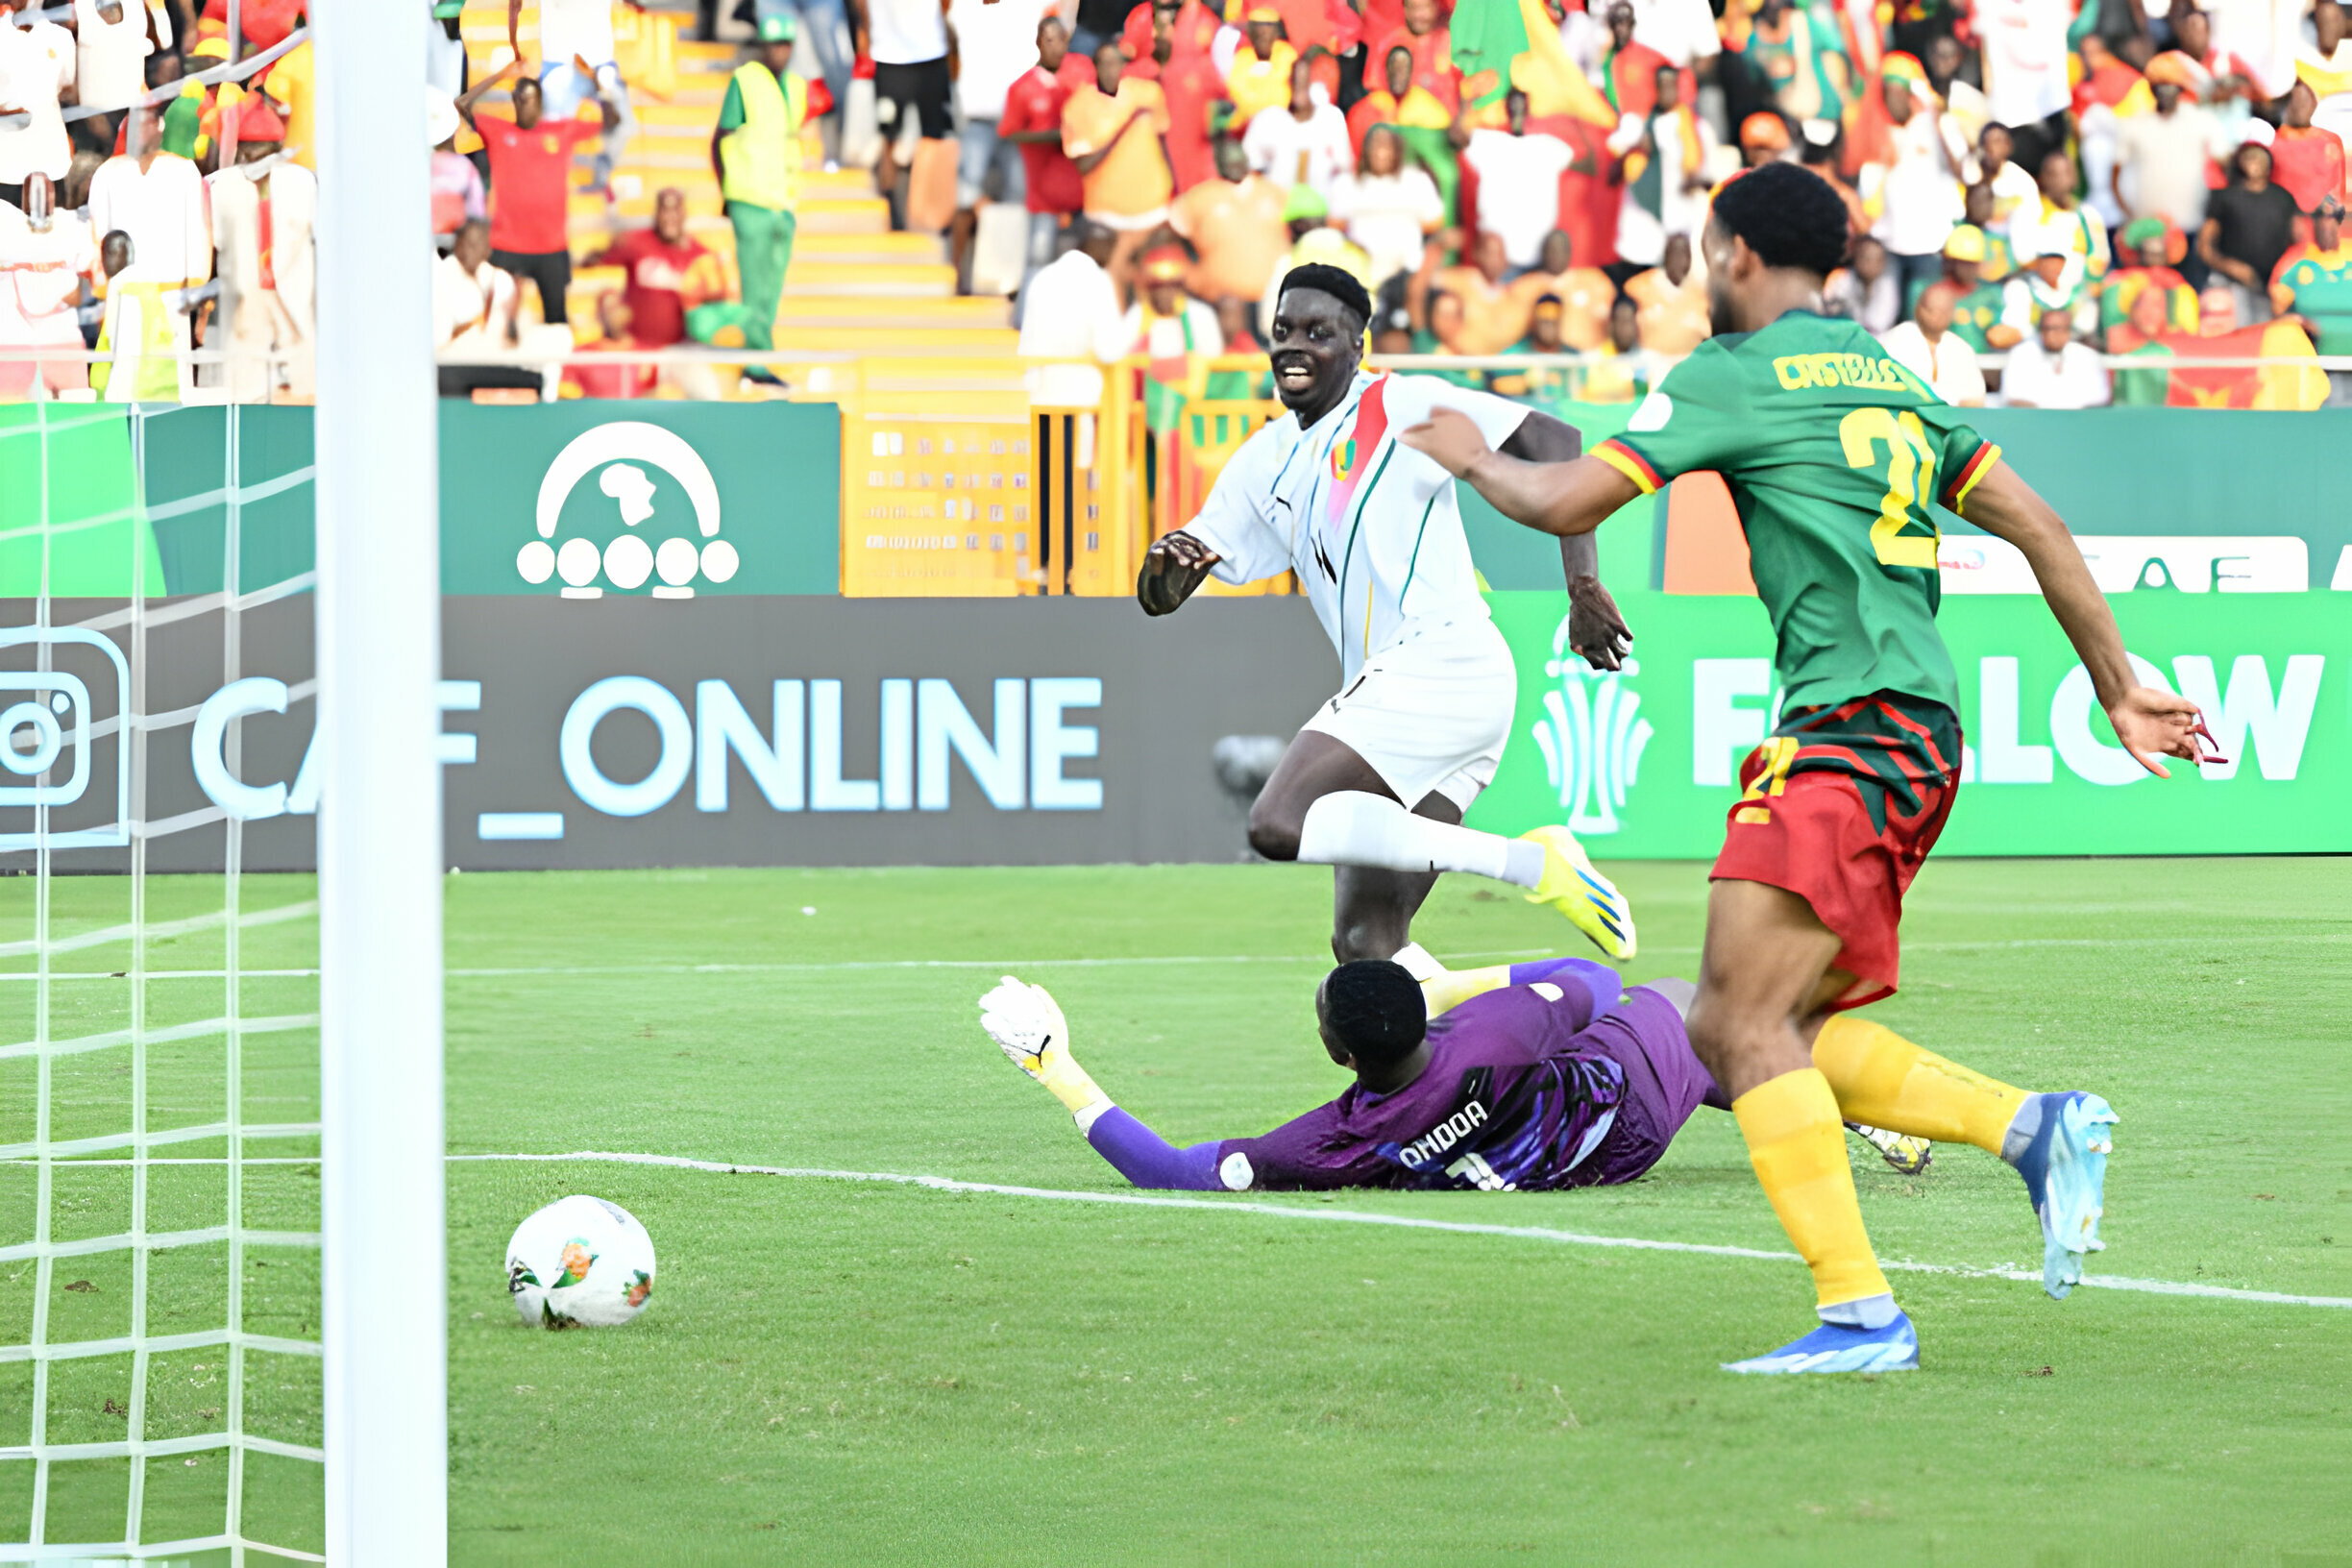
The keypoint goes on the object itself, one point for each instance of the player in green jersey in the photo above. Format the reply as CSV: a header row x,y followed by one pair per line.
x,y
1836,458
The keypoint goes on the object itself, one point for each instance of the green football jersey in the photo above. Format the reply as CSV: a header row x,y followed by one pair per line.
x,y
1835,456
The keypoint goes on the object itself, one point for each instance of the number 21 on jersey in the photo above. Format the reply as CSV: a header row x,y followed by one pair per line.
x,y
1911,462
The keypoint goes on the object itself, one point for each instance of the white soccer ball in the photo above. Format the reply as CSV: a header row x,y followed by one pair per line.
x,y
580,1262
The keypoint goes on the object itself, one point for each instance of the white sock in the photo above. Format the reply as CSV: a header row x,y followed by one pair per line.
x,y
1417,962
1353,828
1868,1312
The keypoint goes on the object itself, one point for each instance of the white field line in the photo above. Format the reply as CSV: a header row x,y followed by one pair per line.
x,y
1354,1216
1153,960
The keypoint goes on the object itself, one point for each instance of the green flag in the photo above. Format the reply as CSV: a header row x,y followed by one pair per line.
x,y
1487,36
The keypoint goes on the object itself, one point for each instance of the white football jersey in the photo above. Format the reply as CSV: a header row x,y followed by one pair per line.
x,y
1370,525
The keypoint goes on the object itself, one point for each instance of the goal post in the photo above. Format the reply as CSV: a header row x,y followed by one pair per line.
x,y
386,1332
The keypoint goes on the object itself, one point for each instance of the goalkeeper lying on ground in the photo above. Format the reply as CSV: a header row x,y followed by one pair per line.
x,y
1555,1077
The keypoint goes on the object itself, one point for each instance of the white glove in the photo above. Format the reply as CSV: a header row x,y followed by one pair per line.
x,y
1026,1023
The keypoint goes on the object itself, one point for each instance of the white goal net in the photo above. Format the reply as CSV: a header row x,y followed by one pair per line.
x,y
160,1389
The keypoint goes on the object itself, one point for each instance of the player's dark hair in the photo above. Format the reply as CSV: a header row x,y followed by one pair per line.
x,y
1329,280
1788,215
1375,1010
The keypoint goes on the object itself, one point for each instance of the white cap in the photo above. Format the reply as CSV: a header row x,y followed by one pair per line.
x,y
440,116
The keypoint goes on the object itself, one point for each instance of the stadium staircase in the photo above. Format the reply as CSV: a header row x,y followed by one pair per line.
x,y
871,306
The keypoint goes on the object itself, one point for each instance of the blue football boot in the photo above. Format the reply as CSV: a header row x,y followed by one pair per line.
x,y
2066,1176
1836,1348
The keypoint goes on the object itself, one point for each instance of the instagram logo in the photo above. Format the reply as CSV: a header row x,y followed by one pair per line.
x,y
46,729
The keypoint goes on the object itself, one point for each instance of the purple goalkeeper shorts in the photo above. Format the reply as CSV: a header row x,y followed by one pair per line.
x,y
1664,1083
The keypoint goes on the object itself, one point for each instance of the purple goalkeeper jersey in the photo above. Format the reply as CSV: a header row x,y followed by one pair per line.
x,y
1525,1090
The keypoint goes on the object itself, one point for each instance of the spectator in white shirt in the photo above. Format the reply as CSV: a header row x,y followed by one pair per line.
x,y
1964,102
1864,290
475,319
1165,322
2159,158
111,52
1081,319
1304,143
914,86
157,199
37,69
1918,193
2015,194
2324,63
1519,178
44,253
264,208
1930,349
2052,371
1387,208
474,307
2024,50
1683,31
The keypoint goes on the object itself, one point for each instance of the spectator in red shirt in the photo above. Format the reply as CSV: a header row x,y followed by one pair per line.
x,y
657,260
621,379
1033,121
531,186
265,23
1433,50
1630,70
1191,82
1191,31
2307,160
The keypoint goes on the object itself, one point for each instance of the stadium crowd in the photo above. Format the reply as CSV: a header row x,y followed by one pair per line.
x,y
2042,180
2035,179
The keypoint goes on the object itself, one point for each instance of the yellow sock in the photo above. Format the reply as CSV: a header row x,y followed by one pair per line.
x,y
1798,1146
1883,1080
1448,989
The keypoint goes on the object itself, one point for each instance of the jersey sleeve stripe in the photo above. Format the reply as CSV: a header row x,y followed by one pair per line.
x,y
1631,464
1971,472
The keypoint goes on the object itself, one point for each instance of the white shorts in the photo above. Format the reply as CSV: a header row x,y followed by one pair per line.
x,y
1431,711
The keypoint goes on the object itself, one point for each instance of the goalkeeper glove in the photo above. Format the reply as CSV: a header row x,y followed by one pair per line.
x,y
1028,1027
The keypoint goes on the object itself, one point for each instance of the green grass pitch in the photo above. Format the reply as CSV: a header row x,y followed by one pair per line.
x,y
842,1372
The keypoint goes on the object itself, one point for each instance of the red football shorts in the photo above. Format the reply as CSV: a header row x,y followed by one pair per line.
x,y
1840,808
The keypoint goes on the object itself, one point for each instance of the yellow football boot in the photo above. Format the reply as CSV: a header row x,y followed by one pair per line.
x,y
1591,900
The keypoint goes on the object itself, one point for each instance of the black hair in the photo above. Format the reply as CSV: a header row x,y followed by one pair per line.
x,y
1788,215
1375,1010
1328,279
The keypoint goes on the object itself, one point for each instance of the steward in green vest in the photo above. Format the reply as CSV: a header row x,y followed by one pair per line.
x,y
756,151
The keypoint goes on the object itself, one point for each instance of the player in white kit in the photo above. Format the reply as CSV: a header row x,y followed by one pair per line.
x,y
1377,782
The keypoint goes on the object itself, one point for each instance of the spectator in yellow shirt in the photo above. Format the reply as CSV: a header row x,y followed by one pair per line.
x,y
294,83
1260,74
1115,132
1671,304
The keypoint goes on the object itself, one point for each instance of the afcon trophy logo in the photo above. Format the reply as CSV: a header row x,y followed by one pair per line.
x,y
1591,737
627,560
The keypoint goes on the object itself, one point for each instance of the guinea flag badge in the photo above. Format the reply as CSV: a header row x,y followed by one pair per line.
x,y
1343,460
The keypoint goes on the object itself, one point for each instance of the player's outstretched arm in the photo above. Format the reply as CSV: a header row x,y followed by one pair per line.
x,y
1597,631
2150,724
1027,1025
1176,564
1564,499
